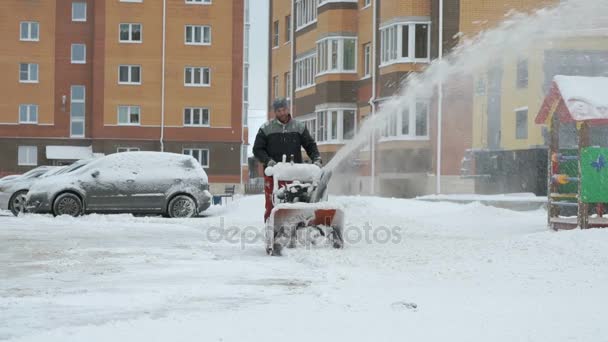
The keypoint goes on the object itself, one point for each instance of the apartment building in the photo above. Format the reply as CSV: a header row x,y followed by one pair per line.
x,y
108,76
338,61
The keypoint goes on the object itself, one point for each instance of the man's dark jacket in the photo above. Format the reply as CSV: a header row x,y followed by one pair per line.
x,y
275,139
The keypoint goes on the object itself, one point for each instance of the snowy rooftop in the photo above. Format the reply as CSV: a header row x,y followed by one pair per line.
x,y
585,97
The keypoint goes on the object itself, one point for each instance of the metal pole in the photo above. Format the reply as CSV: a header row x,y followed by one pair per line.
x,y
162,96
372,102
440,103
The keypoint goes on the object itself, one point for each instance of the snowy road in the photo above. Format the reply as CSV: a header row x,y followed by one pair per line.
x,y
448,272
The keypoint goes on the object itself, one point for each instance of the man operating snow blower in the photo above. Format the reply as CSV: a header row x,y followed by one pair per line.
x,y
292,189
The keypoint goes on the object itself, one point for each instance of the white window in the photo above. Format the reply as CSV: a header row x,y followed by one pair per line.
x,y
246,83
306,13
199,2
130,33
28,73
77,111
244,155
367,59
129,74
79,54
521,123
27,155
336,55
405,43
306,68
129,115
287,77
196,116
275,34
200,154
79,11
275,87
367,3
28,113
311,125
197,77
127,149
30,31
323,2
198,35
334,125
132,1
412,123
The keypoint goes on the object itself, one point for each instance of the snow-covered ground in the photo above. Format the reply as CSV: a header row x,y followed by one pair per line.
x,y
448,272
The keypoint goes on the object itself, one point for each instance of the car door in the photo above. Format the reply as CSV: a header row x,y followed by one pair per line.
x,y
150,187
109,187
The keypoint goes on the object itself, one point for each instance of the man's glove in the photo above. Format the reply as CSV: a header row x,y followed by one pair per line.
x,y
318,162
271,163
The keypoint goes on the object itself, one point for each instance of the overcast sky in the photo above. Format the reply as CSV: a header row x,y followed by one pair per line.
x,y
258,66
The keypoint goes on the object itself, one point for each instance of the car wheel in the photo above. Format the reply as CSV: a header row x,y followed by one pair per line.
x,y
182,206
17,203
67,204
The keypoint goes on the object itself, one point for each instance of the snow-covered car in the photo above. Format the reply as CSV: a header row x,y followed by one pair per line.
x,y
131,182
14,190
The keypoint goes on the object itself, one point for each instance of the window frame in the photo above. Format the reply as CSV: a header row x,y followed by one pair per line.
x,y
129,123
398,123
29,25
197,85
518,130
194,27
130,68
84,61
131,40
75,119
127,149
29,73
327,127
29,151
306,13
305,68
192,124
191,149
81,20
198,2
325,46
391,43
29,107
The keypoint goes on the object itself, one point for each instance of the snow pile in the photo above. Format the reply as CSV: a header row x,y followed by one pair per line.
x,y
585,96
290,172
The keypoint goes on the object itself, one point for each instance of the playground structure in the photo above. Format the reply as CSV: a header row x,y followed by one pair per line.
x,y
577,177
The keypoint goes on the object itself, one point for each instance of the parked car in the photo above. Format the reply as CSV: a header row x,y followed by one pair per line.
x,y
14,190
130,182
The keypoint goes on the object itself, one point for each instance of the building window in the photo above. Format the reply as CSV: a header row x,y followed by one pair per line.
x,y
411,123
405,43
197,77
79,11
28,73
130,33
196,116
127,149
367,59
521,123
311,126
275,87
306,13
275,34
334,125
79,54
27,156
287,77
305,69
28,114
522,73
129,115
287,29
77,111
198,35
367,3
129,74
199,2
30,31
336,55
244,158
200,154
246,83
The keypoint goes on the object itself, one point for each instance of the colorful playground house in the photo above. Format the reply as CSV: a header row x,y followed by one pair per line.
x,y
578,175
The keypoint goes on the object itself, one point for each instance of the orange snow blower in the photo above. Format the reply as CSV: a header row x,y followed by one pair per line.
x,y
301,215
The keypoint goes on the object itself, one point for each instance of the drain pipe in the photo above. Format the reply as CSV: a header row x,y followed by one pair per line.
x,y
162,83
440,103
372,100
292,36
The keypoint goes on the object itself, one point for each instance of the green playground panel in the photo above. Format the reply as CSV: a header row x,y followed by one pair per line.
x,y
570,168
594,175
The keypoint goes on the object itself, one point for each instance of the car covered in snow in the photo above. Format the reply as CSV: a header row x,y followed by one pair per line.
x,y
13,190
130,182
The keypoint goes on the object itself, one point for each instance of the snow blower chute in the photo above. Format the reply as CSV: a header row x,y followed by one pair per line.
x,y
301,213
